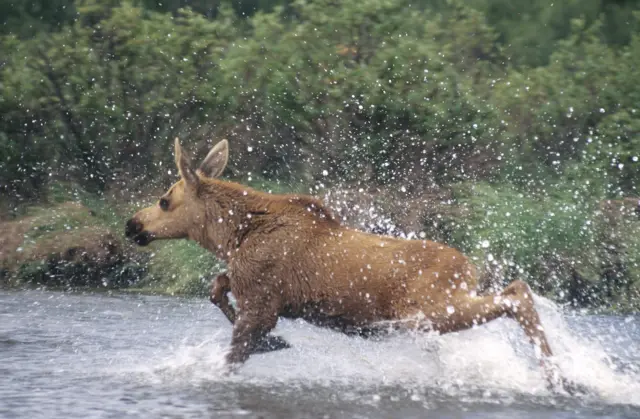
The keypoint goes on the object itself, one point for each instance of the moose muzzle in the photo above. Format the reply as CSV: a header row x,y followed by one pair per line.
x,y
135,231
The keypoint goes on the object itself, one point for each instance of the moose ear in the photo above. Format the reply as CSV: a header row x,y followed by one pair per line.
x,y
213,165
186,172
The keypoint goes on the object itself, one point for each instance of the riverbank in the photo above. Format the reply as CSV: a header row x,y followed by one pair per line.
x,y
582,254
75,240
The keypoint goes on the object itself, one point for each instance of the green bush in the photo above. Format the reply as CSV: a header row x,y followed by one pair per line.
x,y
559,243
180,267
372,94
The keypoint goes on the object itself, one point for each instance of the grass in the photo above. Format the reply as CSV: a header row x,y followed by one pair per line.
x,y
179,267
39,242
558,242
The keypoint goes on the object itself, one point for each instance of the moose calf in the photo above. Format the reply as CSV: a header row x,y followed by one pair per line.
x,y
287,256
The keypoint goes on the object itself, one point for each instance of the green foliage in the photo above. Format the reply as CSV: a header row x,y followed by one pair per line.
x,y
562,244
576,111
180,267
529,30
210,8
526,98
362,85
525,228
381,90
28,17
123,85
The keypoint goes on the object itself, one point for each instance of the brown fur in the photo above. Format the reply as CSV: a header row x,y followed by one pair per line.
x,y
288,256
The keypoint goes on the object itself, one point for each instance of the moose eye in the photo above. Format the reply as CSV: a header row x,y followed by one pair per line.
x,y
164,204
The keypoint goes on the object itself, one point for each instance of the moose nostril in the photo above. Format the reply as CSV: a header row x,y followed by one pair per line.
x,y
143,239
132,228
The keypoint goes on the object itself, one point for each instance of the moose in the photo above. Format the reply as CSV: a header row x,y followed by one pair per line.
x,y
288,256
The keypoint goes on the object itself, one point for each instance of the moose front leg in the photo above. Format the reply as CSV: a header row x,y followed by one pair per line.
x,y
220,287
250,330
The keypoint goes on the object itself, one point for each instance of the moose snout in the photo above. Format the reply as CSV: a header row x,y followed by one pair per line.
x,y
133,228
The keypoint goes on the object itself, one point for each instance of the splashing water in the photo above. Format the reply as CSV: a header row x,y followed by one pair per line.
x,y
69,355
493,361
584,359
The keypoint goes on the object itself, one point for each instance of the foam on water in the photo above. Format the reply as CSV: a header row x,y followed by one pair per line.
x,y
586,362
494,360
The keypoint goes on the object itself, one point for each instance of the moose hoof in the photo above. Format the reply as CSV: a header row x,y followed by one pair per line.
x,y
571,388
558,384
271,343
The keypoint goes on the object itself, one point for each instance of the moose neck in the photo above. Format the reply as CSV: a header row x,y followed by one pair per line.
x,y
231,212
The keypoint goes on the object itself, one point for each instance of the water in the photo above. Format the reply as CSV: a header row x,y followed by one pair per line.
x,y
123,356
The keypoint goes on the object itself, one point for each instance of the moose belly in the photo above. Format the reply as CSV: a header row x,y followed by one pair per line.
x,y
354,319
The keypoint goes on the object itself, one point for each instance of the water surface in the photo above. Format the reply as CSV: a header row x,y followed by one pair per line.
x,y
68,355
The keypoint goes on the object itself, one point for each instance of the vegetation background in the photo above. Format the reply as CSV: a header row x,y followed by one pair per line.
x,y
506,128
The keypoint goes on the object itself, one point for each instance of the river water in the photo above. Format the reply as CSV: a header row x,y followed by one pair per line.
x,y
65,355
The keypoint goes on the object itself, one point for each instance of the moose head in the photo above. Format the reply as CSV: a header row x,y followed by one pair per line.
x,y
180,212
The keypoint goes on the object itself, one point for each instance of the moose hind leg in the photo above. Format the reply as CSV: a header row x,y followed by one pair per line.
x,y
521,308
516,301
